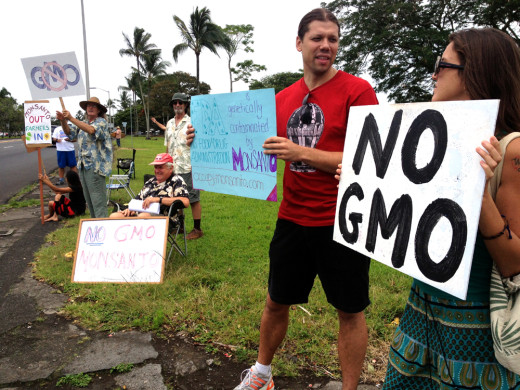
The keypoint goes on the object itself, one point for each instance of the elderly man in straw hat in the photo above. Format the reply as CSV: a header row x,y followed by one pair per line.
x,y
94,152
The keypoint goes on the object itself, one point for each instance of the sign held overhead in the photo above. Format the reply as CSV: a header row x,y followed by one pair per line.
x,y
53,76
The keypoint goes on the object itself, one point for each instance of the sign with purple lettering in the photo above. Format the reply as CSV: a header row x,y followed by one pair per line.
x,y
53,76
227,155
129,250
37,117
411,187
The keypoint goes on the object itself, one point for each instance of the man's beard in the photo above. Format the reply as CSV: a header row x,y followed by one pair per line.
x,y
179,111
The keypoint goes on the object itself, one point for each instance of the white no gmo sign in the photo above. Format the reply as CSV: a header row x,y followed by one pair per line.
x,y
411,187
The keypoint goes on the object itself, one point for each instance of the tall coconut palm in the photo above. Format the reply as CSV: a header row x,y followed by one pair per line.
x,y
110,104
132,85
153,66
202,33
124,99
138,48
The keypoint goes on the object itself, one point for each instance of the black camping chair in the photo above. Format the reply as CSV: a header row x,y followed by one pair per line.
x,y
176,229
123,164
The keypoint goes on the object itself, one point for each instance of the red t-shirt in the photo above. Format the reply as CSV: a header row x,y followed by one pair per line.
x,y
309,195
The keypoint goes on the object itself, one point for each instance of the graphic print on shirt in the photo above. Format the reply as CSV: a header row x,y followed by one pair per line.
x,y
304,128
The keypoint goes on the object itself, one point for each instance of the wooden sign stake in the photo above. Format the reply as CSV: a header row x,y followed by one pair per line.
x,y
42,209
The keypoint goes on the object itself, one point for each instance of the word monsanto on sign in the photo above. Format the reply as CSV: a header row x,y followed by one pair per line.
x,y
411,187
53,76
130,250
37,118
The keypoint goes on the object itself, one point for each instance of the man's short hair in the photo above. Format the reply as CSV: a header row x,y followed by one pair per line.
x,y
319,14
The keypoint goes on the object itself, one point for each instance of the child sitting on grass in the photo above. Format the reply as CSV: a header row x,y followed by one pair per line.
x,y
61,205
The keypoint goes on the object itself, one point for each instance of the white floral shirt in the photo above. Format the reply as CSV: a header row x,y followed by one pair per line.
x,y
175,141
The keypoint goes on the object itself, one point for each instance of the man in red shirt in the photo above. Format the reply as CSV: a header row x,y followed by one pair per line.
x,y
311,121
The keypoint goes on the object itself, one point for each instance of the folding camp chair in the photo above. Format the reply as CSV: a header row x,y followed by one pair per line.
x,y
119,182
123,164
176,229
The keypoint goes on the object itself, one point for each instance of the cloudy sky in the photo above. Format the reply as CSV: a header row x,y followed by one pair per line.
x,y
32,28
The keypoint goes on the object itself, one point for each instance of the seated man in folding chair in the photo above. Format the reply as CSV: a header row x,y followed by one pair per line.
x,y
164,188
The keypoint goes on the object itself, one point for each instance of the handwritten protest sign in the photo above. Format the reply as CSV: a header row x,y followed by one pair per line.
x,y
227,155
53,76
411,187
129,250
37,117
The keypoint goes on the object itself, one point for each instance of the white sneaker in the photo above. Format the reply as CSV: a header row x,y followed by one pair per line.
x,y
252,380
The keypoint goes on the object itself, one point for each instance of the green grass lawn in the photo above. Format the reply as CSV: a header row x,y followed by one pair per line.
x,y
217,292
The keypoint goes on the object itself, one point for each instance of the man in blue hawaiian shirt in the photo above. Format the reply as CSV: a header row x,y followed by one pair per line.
x,y
94,152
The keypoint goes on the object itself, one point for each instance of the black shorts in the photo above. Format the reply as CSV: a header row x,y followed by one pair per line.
x,y
299,253
63,207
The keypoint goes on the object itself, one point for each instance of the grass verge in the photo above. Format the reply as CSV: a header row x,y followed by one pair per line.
x,y
17,201
217,292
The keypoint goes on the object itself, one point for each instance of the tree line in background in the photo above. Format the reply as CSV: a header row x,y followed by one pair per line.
x,y
11,114
395,42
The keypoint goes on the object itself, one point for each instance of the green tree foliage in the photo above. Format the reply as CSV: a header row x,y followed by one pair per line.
x,y
163,90
245,69
240,38
127,115
278,81
201,33
11,114
397,41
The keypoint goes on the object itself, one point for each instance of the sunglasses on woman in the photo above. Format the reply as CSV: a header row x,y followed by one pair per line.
x,y
441,64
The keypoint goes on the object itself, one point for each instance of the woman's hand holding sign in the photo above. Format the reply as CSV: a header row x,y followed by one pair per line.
x,y
491,155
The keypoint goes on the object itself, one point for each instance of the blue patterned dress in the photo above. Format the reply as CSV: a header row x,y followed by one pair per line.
x,y
445,343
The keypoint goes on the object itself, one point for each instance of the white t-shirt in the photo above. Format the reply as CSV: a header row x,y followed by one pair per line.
x,y
63,146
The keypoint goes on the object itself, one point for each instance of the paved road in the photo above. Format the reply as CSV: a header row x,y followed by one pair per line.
x,y
19,168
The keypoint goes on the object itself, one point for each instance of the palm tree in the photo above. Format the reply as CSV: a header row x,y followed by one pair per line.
x,y
132,84
202,33
153,66
124,99
138,48
110,104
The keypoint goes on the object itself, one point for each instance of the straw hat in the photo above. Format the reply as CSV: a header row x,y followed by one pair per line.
x,y
95,100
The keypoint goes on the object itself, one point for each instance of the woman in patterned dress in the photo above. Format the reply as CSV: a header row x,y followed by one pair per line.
x,y
443,342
